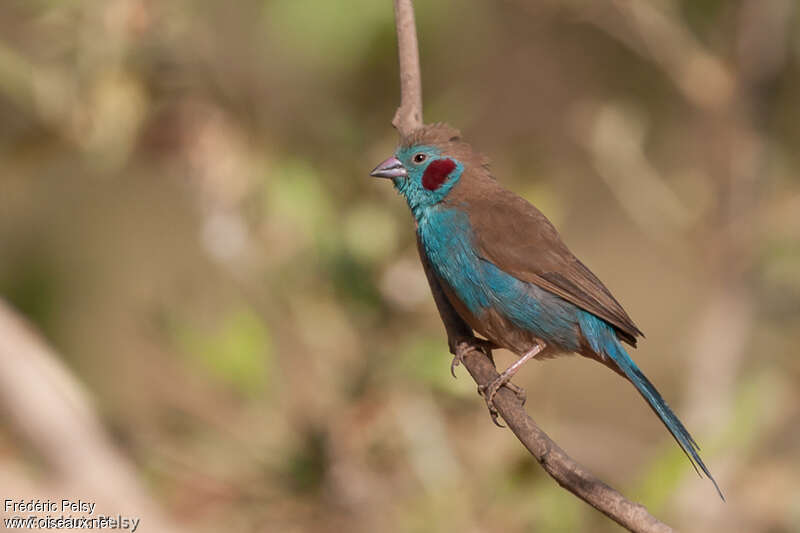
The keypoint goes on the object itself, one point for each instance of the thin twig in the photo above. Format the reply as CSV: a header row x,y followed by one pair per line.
x,y
567,473
408,116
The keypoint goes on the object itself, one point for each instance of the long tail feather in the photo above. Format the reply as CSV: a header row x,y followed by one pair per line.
x,y
660,407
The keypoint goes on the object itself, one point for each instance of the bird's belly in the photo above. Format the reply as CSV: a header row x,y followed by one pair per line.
x,y
494,326
510,312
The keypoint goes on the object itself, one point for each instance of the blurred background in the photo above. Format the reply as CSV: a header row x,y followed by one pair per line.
x,y
241,336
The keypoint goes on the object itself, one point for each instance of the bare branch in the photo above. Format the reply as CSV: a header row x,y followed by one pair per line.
x,y
50,410
567,473
555,461
408,116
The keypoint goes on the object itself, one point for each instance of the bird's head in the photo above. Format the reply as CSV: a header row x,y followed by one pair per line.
x,y
427,165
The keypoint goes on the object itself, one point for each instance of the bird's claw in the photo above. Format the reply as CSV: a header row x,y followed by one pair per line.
x,y
457,360
489,391
518,391
464,346
461,348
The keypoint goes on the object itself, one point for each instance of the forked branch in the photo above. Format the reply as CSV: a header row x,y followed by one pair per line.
x,y
567,473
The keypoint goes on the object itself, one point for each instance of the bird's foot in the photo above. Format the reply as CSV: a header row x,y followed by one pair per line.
x,y
489,391
458,358
462,347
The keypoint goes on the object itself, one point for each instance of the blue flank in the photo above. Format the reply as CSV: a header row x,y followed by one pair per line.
x,y
447,238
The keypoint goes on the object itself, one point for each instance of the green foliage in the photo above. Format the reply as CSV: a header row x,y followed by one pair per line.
x,y
297,199
370,233
309,29
427,361
236,351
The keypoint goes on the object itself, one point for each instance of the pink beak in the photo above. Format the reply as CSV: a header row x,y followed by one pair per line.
x,y
391,168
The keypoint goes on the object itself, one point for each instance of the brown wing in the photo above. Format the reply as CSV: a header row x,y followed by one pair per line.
x,y
518,238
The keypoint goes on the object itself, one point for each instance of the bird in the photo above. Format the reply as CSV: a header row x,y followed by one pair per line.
x,y
505,271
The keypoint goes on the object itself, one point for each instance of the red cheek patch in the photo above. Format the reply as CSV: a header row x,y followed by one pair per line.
x,y
436,173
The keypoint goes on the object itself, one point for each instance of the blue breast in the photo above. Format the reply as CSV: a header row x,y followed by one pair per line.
x,y
447,238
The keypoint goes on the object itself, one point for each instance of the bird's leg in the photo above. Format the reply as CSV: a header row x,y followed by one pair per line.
x,y
463,346
489,390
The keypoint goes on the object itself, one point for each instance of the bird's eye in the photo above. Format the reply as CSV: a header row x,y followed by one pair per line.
x,y
419,158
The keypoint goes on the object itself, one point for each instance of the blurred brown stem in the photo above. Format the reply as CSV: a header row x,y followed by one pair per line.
x,y
567,473
50,410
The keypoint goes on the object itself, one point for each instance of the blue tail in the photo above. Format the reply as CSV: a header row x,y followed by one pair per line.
x,y
606,342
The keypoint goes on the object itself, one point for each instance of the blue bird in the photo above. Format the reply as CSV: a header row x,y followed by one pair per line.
x,y
506,273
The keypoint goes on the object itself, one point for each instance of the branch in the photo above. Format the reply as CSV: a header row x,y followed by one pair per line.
x,y
567,473
50,410
408,116
555,461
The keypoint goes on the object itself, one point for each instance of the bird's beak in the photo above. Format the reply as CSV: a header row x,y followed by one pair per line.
x,y
391,168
